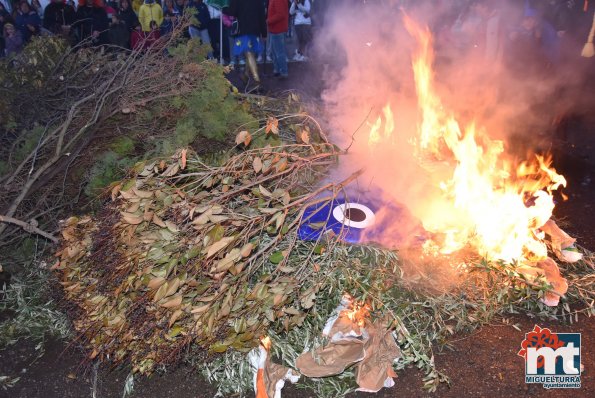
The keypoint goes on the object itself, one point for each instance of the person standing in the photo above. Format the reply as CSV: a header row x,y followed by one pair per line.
x,y
148,12
278,24
127,15
303,27
58,16
13,40
91,23
200,30
27,21
251,27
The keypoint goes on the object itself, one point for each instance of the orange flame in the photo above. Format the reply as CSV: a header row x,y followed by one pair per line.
x,y
358,313
485,200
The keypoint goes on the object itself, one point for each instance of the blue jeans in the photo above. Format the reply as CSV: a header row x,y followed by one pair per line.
x,y
277,43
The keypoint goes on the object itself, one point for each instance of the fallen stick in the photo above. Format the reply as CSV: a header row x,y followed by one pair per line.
x,y
28,227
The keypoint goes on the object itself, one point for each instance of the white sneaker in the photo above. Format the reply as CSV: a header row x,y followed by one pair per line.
x,y
259,59
297,57
269,59
242,62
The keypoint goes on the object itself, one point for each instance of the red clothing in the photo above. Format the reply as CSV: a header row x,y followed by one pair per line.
x,y
143,40
278,16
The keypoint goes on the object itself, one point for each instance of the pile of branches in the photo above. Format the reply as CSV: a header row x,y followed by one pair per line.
x,y
188,253
189,257
68,99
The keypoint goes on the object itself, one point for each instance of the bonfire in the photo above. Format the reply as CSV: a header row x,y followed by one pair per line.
x,y
190,254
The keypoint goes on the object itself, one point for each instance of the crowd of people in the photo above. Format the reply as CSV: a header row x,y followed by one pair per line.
x,y
253,30
131,24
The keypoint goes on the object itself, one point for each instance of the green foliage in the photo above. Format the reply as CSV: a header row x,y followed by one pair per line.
x,y
29,70
26,142
123,146
33,314
108,167
191,51
212,111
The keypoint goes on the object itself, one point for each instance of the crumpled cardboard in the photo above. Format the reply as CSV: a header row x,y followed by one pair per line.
x,y
269,377
560,242
375,371
371,347
548,269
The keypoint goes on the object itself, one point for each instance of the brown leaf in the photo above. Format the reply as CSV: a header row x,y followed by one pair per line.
x,y
143,194
183,158
281,165
243,137
217,246
304,136
115,191
156,282
201,309
158,221
171,226
257,164
174,302
272,126
160,293
265,191
172,287
174,317
246,249
130,218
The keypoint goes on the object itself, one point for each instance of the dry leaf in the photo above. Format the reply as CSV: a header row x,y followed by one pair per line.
x,y
265,191
115,191
272,126
257,164
171,226
174,317
131,218
174,302
217,246
183,158
246,249
243,137
304,136
158,221
156,282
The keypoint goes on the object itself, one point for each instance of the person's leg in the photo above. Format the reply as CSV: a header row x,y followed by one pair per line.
x,y
280,60
307,32
204,37
194,32
299,30
273,53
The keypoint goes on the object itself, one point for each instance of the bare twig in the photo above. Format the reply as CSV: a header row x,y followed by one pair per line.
x,y
28,227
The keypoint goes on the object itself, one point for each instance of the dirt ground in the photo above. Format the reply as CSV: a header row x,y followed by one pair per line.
x,y
483,364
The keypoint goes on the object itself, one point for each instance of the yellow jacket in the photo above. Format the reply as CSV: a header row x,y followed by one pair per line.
x,y
136,5
148,13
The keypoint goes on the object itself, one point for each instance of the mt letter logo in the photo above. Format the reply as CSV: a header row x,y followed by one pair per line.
x,y
552,359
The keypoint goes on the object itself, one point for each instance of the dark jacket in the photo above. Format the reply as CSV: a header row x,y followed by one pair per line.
x,y
22,20
129,17
202,14
250,15
88,20
119,35
57,15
